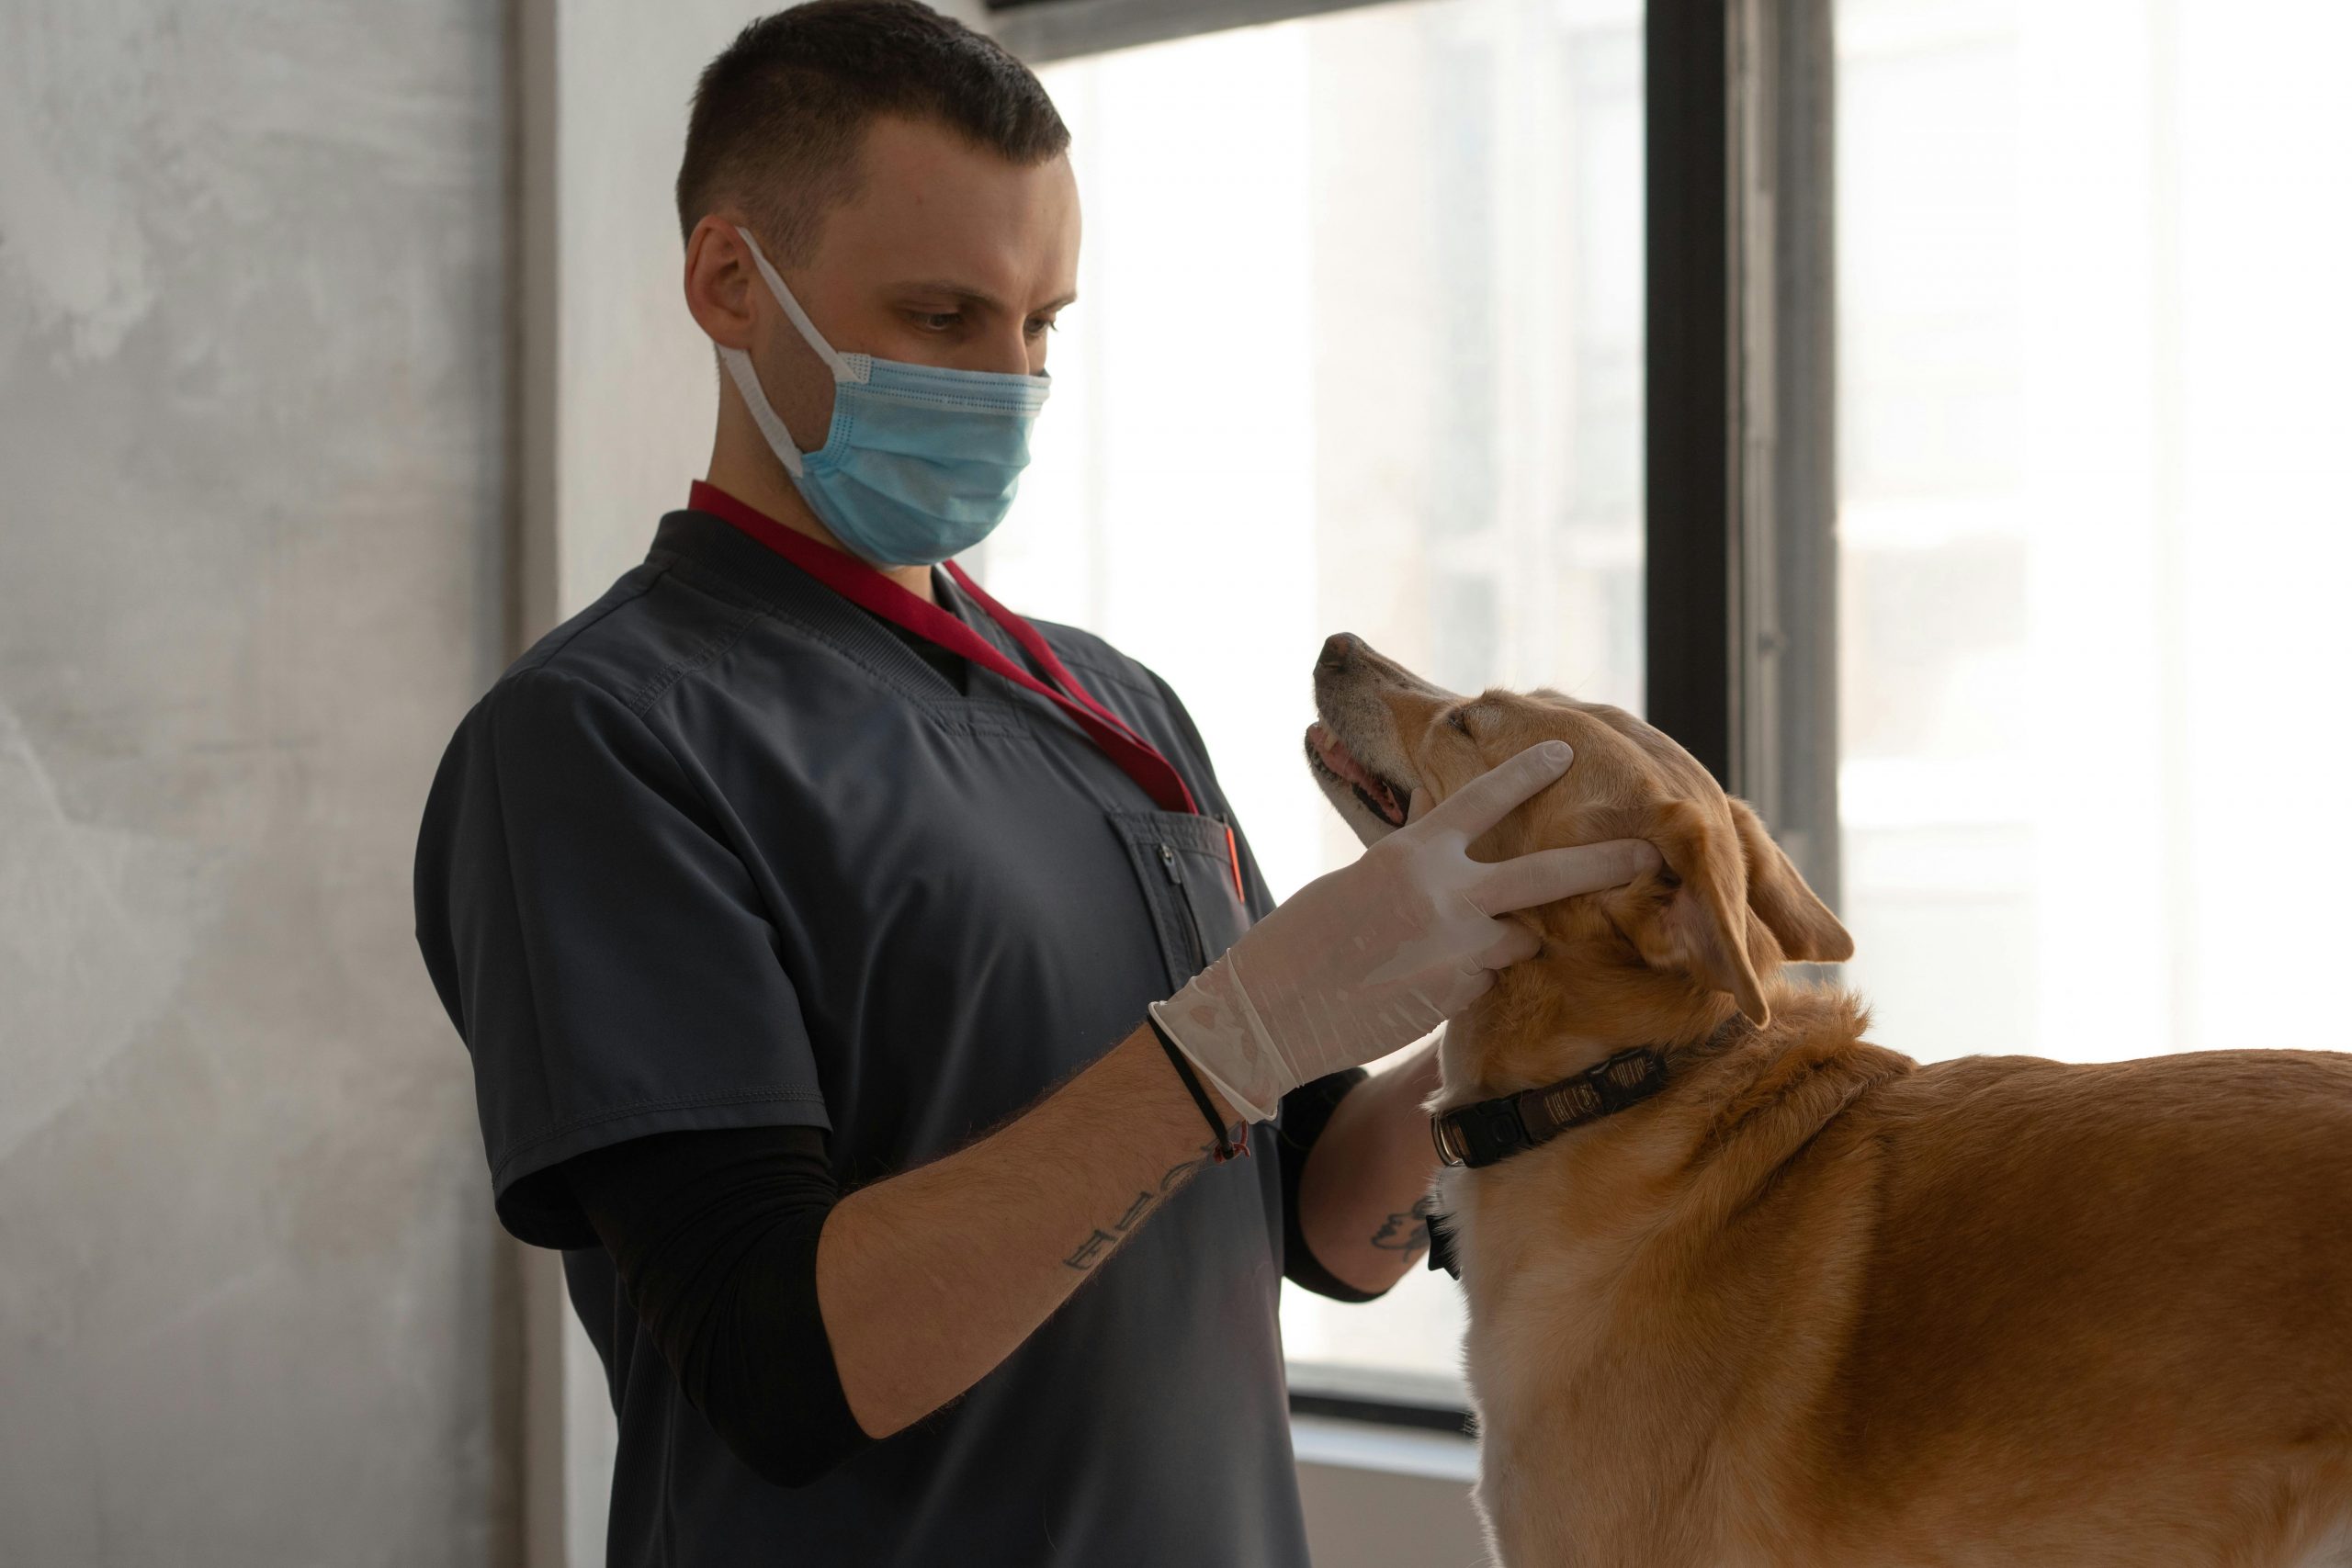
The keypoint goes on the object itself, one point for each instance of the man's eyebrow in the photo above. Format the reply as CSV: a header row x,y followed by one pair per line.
x,y
966,292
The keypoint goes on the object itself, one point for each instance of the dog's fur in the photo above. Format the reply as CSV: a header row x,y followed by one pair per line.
x,y
1815,1304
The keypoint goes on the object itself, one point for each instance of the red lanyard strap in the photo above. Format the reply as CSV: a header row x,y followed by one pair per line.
x,y
869,590
1039,650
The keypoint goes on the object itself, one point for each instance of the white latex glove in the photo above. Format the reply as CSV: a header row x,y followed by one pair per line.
x,y
1373,956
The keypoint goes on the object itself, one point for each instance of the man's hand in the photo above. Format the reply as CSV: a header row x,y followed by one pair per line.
x,y
1372,956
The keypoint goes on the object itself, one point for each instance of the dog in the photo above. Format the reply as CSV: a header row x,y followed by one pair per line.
x,y
1773,1296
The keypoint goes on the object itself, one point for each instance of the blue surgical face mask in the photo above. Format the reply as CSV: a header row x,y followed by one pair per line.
x,y
920,463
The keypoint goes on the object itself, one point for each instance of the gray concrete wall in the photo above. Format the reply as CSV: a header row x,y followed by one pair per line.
x,y
260,383
252,436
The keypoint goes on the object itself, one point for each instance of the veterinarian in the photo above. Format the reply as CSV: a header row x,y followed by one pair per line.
x,y
868,990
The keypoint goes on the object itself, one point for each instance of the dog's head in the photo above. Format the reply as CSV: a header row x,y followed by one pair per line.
x,y
1651,959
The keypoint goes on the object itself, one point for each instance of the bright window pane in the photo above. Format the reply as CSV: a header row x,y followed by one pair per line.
x,y
2095,532
1358,347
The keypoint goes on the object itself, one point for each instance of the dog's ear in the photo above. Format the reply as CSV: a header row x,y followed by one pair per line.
x,y
1701,927
1808,932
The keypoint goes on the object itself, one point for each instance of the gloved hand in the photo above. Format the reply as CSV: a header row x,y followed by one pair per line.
x,y
1373,956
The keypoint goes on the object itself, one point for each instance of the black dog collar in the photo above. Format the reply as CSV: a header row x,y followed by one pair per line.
x,y
1492,1130
1496,1129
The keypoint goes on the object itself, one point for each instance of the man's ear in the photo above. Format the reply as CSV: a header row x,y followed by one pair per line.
x,y
1808,932
1701,928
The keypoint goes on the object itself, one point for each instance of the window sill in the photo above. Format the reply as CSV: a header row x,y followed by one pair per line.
x,y
1390,1450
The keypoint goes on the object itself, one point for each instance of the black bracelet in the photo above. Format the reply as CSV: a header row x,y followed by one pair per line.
x,y
1224,1150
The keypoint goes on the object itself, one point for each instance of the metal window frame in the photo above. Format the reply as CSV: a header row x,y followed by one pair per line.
x,y
1423,1401
1739,403
1740,406
1447,1419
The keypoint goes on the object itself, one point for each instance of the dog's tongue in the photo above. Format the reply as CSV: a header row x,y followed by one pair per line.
x,y
1337,758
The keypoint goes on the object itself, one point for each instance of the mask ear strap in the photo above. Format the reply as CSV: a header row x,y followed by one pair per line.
x,y
747,381
841,367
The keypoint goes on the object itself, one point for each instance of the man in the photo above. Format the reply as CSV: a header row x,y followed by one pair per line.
x,y
788,896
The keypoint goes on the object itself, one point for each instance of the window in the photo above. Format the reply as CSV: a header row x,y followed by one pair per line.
x,y
2094,527
1358,347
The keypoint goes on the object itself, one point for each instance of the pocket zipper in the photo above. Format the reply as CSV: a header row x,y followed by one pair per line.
x,y
1185,898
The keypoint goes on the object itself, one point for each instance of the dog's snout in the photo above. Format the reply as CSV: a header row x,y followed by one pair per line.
x,y
1338,649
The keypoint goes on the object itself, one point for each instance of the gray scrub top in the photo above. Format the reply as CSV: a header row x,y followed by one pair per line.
x,y
722,851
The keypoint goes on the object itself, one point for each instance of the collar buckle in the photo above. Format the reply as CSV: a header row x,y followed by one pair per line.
x,y
1490,1130
1481,1133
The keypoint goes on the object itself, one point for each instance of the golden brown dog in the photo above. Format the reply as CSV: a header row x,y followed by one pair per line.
x,y
1812,1303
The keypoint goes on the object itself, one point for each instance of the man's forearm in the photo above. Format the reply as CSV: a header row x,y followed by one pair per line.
x,y
1366,1173
928,1278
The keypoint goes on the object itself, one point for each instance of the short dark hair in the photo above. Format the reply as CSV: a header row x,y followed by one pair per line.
x,y
780,116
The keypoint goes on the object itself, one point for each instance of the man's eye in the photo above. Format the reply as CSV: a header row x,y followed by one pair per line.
x,y
1040,328
940,320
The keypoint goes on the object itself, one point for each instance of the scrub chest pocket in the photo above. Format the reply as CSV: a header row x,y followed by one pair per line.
x,y
1183,863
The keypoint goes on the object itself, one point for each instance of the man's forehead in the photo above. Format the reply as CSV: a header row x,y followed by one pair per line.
x,y
918,148
928,204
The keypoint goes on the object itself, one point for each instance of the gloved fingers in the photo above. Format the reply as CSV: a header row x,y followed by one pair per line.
x,y
1527,880
1493,794
1512,944
1469,984
1417,807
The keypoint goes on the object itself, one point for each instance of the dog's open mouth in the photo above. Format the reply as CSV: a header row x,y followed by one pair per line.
x,y
1383,797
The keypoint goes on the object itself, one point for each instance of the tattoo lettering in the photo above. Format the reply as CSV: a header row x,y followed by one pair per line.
x,y
1089,1251
1176,1173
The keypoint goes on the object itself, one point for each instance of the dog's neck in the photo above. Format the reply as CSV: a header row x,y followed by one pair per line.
x,y
1529,1029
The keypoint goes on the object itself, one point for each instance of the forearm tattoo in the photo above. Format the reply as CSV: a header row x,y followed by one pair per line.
x,y
1099,1242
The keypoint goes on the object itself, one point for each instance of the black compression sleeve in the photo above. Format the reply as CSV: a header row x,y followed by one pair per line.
x,y
714,1235
1307,1110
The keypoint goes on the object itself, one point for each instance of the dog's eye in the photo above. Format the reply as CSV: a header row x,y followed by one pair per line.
x,y
1457,719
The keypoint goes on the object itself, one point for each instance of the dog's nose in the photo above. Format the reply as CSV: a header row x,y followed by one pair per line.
x,y
1338,649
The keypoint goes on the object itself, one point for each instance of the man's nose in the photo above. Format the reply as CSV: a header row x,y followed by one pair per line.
x,y
1014,355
